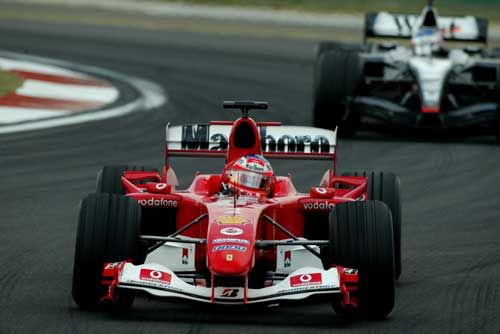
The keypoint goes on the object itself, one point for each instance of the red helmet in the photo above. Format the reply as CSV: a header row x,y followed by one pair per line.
x,y
251,174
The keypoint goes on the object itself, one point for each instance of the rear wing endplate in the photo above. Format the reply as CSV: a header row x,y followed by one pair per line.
x,y
287,142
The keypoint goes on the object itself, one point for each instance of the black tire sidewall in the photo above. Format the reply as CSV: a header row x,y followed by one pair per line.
x,y
361,238
108,231
337,76
109,178
385,187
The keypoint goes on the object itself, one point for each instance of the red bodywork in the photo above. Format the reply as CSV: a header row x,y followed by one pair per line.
x,y
226,220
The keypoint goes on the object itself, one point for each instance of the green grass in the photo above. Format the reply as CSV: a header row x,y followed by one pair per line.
x,y
9,82
485,8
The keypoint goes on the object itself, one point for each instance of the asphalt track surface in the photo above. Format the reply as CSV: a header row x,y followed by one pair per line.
x,y
451,189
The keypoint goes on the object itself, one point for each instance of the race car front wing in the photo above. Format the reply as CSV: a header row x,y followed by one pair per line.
x,y
159,281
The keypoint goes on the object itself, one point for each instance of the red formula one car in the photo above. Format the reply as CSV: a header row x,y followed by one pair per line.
x,y
243,236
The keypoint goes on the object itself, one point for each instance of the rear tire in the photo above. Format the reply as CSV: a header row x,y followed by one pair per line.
x,y
326,46
109,178
337,76
108,231
385,187
361,238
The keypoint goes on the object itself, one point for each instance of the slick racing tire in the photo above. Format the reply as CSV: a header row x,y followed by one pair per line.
x,y
108,231
109,178
361,238
337,76
325,46
385,187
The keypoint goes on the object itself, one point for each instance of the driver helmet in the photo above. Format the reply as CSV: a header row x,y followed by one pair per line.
x,y
427,40
250,174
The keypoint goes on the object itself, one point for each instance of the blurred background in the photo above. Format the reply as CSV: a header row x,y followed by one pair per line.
x,y
460,7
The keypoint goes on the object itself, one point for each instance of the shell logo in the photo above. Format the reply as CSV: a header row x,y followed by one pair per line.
x,y
232,220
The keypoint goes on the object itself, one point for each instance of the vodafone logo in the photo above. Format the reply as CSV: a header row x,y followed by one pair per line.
x,y
306,280
158,202
161,186
323,205
231,231
321,190
155,276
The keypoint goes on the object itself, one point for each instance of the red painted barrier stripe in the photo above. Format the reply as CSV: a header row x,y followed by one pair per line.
x,y
20,101
59,79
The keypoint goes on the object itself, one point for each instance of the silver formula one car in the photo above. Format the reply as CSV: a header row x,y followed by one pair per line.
x,y
421,85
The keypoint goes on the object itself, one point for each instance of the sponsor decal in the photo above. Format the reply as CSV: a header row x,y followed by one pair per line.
x,y
185,255
160,202
232,220
302,289
349,271
229,257
161,186
306,280
288,259
229,248
229,293
234,211
319,205
293,143
321,190
231,231
112,265
155,276
198,137
231,240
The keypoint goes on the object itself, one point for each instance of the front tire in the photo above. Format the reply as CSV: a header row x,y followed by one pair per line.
x,y
361,238
108,231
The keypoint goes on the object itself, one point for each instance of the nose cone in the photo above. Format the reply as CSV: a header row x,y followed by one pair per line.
x,y
230,260
230,249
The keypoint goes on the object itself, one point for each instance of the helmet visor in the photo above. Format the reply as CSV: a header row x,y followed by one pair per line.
x,y
250,179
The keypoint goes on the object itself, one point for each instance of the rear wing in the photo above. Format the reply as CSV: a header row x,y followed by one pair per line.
x,y
287,142
387,25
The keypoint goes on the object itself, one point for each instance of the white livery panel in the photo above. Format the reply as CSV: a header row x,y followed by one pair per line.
x,y
467,28
276,141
